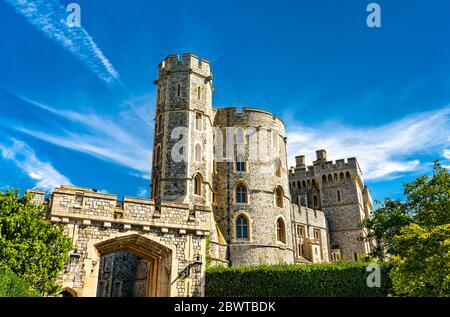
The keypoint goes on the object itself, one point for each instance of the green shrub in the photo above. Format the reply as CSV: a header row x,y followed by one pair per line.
x,y
13,286
347,279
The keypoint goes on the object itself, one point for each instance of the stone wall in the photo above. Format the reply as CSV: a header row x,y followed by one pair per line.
x,y
96,219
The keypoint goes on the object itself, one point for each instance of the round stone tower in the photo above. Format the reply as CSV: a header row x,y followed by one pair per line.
x,y
252,201
182,150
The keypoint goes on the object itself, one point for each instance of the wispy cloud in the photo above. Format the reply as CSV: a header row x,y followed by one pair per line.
x,y
124,140
24,157
143,192
49,16
384,152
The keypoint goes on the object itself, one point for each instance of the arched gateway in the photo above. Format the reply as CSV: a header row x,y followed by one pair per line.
x,y
157,259
128,247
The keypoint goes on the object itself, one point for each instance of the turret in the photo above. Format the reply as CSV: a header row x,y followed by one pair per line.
x,y
182,160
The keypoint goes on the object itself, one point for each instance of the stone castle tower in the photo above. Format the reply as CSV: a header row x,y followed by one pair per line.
x,y
182,155
338,189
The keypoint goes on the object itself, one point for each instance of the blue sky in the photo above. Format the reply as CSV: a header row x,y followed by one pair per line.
x,y
76,106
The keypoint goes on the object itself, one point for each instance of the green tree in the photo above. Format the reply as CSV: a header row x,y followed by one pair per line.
x,y
32,247
421,265
416,234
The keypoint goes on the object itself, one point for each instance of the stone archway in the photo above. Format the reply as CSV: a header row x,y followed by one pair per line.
x,y
68,292
158,256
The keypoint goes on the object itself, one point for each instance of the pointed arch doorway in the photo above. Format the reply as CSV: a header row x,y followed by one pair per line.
x,y
154,261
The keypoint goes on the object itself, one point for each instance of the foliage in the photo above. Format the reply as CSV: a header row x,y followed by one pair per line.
x,y
421,266
13,286
348,279
416,234
32,247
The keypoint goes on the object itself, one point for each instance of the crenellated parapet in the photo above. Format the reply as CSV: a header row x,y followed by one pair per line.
x,y
188,63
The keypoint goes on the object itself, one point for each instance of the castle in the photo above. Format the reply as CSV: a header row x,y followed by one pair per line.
x,y
221,192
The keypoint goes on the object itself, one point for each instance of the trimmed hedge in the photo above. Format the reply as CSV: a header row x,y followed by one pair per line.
x,y
13,286
344,279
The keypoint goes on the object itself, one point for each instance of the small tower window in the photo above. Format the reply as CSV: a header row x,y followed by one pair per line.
x,y
242,228
199,93
240,163
198,185
277,167
324,179
241,194
157,155
281,231
198,121
198,153
179,90
347,175
315,201
338,194
279,197
159,123
155,187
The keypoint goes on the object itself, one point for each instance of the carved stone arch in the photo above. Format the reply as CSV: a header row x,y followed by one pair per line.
x,y
158,256
68,292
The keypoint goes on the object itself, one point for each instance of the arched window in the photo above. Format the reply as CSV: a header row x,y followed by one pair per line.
x,y
315,201
338,195
198,122
158,154
277,167
281,231
279,197
241,194
313,183
240,163
198,153
159,123
303,184
198,184
293,184
155,187
242,228
299,184
308,183
324,179
347,175
335,177
330,178
341,175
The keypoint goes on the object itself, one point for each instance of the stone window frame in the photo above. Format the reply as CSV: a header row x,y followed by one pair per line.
x,y
315,201
159,123
280,238
249,227
338,196
235,201
158,155
198,154
198,124
245,161
277,203
197,182
277,167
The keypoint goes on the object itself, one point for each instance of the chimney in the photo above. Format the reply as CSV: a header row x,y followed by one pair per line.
x,y
321,155
300,161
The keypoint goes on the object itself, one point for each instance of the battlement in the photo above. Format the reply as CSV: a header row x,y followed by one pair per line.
x,y
248,114
188,63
